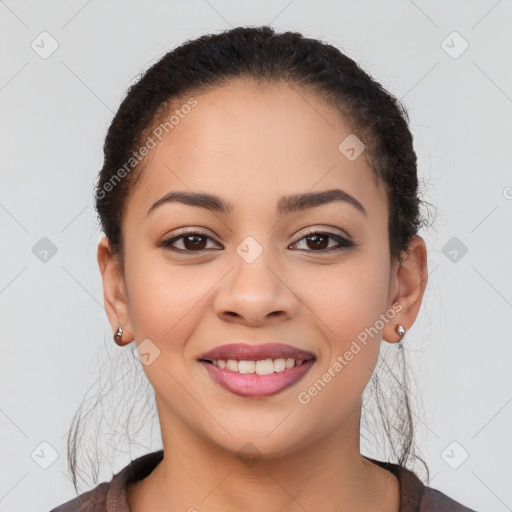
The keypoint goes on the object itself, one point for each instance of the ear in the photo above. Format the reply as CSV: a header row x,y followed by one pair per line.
x,y
114,291
407,286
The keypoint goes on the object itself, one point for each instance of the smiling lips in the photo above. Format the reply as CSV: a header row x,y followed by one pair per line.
x,y
256,370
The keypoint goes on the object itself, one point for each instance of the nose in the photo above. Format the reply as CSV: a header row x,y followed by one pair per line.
x,y
256,293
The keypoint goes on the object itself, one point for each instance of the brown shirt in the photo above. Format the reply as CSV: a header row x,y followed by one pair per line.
x,y
111,496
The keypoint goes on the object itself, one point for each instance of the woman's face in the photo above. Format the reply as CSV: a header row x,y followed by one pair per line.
x,y
256,275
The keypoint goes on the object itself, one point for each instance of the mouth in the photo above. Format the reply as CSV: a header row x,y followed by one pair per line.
x,y
257,370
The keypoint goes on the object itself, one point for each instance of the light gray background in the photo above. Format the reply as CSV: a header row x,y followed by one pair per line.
x,y
54,115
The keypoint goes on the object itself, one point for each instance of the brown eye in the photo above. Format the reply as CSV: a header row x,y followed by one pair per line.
x,y
195,241
319,242
192,241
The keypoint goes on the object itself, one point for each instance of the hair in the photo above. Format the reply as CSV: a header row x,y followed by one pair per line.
x,y
262,56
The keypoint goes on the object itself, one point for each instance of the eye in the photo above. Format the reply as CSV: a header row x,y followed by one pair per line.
x,y
319,240
192,241
196,241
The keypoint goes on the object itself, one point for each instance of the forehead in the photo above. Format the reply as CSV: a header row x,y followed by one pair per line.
x,y
252,144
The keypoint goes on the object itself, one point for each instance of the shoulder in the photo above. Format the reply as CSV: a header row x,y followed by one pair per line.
x,y
94,500
434,500
111,495
416,496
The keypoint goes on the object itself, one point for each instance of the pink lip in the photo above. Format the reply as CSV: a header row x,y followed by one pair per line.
x,y
253,385
244,352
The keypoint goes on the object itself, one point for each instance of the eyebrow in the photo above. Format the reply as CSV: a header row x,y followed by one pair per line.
x,y
287,204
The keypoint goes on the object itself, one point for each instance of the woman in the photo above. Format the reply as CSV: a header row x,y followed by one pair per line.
x,y
259,200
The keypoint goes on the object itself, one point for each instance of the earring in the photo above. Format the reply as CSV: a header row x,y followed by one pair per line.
x,y
117,337
400,329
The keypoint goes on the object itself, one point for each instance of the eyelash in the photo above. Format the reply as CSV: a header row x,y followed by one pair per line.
x,y
344,243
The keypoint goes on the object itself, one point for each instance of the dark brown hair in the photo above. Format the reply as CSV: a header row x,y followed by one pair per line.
x,y
261,55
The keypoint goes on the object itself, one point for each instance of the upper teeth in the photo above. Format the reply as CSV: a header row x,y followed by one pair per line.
x,y
262,367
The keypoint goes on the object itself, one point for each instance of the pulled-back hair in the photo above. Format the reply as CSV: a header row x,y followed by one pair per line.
x,y
262,56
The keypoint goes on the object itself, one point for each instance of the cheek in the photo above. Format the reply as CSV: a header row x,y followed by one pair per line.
x,y
166,304
346,314
347,298
165,300
347,301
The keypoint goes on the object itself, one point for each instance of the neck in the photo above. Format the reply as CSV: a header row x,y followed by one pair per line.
x,y
328,474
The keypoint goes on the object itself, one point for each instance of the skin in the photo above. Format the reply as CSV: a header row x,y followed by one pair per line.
x,y
251,145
